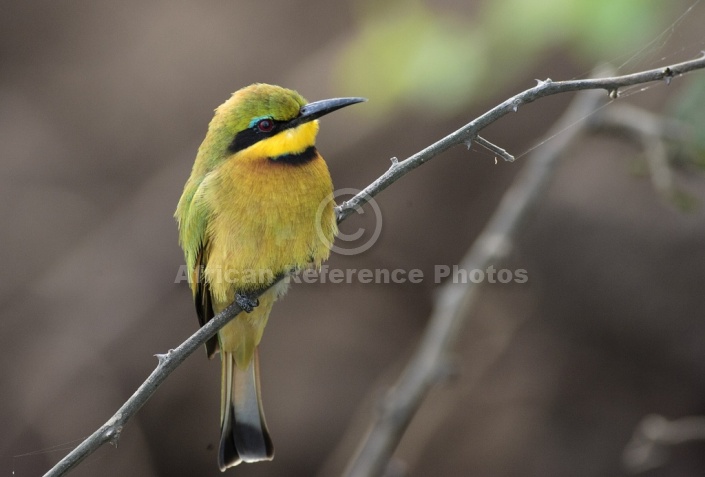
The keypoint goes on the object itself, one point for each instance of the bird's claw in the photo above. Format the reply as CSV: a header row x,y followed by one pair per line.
x,y
246,302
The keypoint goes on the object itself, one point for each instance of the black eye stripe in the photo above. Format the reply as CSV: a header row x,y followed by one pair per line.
x,y
244,139
254,134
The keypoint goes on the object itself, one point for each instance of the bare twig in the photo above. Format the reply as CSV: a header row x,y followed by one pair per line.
x,y
470,130
110,431
452,307
493,148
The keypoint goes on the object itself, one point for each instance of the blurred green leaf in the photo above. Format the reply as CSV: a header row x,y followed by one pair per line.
x,y
413,55
410,53
685,201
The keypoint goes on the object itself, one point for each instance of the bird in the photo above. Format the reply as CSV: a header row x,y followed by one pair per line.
x,y
257,205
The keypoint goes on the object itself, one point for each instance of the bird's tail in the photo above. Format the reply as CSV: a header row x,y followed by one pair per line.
x,y
244,436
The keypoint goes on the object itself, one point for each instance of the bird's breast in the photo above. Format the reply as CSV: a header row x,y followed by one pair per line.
x,y
267,217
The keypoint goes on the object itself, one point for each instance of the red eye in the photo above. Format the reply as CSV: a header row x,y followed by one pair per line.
x,y
265,125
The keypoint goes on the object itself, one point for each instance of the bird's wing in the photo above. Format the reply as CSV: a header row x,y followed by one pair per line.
x,y
202,300
192,214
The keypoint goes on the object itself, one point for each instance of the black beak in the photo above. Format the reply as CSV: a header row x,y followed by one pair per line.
x,y
315,110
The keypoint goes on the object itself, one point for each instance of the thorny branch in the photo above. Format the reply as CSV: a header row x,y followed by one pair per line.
x,y
451,309
110,431
471,130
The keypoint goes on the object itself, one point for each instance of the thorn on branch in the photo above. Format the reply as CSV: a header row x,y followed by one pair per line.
x,y
515,105
668,75
113,435
614,93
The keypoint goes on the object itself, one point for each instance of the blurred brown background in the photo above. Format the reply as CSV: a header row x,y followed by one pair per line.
x,y
102,108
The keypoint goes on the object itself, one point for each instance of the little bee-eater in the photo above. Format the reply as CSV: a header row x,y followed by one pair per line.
x,y
258,204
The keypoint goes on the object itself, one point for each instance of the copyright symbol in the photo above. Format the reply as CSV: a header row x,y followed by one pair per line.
x,y
346,244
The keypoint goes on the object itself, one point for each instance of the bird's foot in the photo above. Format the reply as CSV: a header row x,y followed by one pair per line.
x,y
246,302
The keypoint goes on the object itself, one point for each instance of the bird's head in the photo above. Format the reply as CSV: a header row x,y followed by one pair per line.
x,y
266,121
